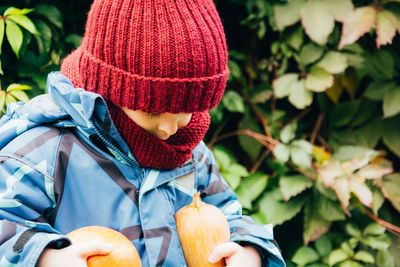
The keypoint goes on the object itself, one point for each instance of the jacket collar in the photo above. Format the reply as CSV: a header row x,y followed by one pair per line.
x,y
87,110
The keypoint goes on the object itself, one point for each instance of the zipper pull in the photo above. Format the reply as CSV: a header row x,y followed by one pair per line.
x,y
137,197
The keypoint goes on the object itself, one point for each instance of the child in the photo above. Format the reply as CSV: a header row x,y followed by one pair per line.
x,y
125,151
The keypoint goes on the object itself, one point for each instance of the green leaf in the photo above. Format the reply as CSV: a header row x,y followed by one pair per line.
x,y
238,169
20,95
384,259
17,11
300,157
364,256
339,8
232,179
384,61
378,88
377,200
336,256
361,190
2,26
330,210
9,99
323,245
344,112
386,27
18,87
296,38
234,67
14,36
2,100
314,225
341,187
391,189
261,93
377,242
217,114
353,242
334,62
305,255
288,132
76,40
233,102
370,133
329,171
292,185
326,192
282,152
374,229
25,22
222,157
356,24
299,96
44,39
303,144
336,90
277,211
259,217
250,188
391,134
346,247
51,13
391,102
310,53
318,21
350,263
283,85
359,161
318,80
365,113
288,14
346,153
249,144
374,171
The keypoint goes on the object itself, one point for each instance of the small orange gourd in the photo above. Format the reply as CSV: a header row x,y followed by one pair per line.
x,y
201,227
124,253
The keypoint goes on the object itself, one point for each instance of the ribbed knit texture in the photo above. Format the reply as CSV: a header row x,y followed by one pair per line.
x,y
152,55
152,152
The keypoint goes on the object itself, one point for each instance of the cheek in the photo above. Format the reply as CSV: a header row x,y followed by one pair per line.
x,y
182,123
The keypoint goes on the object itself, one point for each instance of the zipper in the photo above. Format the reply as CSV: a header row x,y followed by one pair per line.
x,y
123,155
116,149
137,197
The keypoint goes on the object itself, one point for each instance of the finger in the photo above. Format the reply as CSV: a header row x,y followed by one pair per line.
x,y
92,248
223,251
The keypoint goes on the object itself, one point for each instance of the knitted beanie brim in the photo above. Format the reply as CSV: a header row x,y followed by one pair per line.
x,y
148,94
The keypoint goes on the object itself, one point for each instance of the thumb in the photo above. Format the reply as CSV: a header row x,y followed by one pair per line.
x,y
88,249
223,251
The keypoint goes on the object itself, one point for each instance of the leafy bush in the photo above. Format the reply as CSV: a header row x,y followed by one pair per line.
x,y
307,133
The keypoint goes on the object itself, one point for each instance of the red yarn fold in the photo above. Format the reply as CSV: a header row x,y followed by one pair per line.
x,y
152,152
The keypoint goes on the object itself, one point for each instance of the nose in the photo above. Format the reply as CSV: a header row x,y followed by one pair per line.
x,y
168,127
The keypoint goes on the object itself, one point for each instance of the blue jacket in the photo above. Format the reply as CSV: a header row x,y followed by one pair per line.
x,y
63,166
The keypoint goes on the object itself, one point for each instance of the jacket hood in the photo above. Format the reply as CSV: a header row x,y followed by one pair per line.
x,y
63,106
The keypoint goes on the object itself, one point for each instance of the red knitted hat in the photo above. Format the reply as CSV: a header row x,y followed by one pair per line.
x,y
152,55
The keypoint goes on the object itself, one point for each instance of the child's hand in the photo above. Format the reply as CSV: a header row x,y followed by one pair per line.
x,y
235,255
74,255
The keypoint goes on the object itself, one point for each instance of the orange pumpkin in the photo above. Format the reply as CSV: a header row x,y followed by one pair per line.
x,y
124,253
201,227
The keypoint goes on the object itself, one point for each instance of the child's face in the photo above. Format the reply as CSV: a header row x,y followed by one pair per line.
x,y
161,125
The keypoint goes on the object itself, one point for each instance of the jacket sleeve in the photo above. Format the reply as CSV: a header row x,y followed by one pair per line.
x,y
25,200
216,191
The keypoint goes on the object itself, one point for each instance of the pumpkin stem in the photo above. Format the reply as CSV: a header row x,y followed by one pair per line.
x,y
197,200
